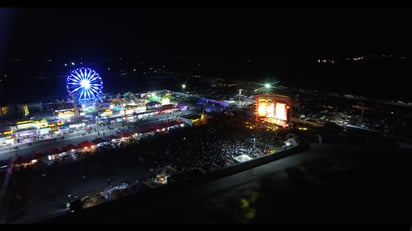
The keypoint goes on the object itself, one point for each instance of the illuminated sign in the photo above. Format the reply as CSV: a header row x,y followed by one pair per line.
x,y
25,124
65,114
41,123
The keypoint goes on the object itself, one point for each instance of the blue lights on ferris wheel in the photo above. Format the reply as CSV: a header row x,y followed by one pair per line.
x,y
84,83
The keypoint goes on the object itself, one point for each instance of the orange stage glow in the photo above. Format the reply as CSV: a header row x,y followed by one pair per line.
x,y
273,108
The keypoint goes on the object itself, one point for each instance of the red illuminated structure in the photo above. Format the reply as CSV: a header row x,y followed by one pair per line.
x,y
273,108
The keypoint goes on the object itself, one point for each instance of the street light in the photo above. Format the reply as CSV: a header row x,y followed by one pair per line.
x,y
266,87
183,86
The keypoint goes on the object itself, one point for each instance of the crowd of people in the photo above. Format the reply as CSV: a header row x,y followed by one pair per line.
x,y
189,150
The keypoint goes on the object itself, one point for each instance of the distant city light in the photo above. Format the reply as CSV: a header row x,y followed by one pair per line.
x,y
184,86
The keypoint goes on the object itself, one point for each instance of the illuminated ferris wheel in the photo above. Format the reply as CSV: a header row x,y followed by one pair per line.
x,y
84,83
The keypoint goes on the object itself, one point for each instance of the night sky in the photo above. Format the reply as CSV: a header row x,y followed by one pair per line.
x,y
274,38
185,30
